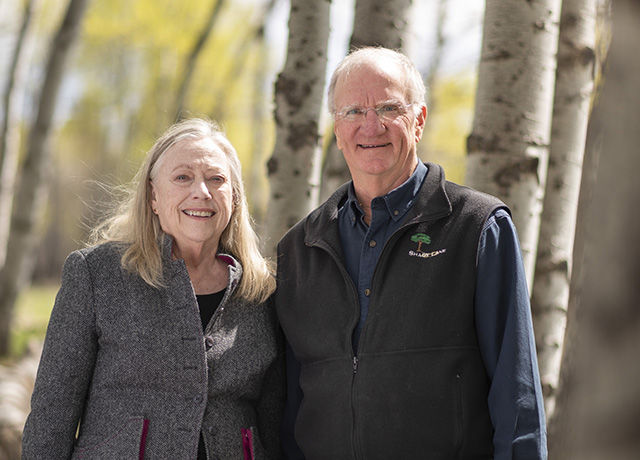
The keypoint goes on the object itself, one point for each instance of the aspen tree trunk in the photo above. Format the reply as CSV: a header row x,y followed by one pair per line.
x,y
508,146
192,59
434,68
294,167
379,23
30,196
598,405
375,23
574,86
10,129
257,190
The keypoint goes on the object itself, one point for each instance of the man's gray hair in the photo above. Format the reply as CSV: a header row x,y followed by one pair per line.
x,y
415,88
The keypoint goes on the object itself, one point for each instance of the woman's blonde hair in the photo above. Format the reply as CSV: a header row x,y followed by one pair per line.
x,y
133,222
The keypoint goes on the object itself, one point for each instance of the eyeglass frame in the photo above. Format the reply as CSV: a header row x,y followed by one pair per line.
x,y
379,110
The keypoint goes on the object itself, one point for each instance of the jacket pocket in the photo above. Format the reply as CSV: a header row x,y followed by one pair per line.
x,y
247,443
128,443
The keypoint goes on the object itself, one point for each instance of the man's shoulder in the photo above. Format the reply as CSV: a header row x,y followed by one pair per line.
x,y
462,194
317,219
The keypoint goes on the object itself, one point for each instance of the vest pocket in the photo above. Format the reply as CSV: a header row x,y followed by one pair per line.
x,y
127,443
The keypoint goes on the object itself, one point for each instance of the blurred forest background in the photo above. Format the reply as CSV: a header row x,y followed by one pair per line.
x,y
521,95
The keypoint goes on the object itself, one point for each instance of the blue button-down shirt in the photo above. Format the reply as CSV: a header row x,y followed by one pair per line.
x,y
502,310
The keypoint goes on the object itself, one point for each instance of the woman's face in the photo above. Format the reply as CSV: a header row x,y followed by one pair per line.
x,y
192,193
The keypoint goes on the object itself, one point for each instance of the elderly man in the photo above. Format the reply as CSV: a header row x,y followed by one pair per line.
x,y
403,297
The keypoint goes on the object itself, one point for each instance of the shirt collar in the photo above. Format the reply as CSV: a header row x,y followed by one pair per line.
x,y
397,202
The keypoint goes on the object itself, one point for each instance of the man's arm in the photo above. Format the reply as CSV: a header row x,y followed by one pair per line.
x,y
292,404
505,333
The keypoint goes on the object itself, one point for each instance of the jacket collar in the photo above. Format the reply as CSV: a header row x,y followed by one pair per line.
x,y
176,267
432,202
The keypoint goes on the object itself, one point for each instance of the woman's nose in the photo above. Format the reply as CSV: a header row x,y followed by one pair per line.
x,y
201,190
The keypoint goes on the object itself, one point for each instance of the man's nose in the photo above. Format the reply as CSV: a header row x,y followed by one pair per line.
x,y
372,122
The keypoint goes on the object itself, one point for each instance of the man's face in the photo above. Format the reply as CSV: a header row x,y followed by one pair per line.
x,y
375,148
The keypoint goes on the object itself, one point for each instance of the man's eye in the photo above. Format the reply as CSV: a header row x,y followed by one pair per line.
x,y
355,111
388,108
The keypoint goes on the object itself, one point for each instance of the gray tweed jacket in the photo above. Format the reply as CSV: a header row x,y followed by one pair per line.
x,y
131,365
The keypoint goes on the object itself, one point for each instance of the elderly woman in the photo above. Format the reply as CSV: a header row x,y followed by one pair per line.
x,y
162,343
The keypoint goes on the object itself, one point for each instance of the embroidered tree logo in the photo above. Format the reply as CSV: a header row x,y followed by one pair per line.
x,y
421,238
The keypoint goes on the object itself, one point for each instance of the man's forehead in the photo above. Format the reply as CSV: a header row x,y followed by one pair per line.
x,y
368,88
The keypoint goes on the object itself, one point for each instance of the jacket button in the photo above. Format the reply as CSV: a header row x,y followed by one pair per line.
x,y
212,430
208,342
197,399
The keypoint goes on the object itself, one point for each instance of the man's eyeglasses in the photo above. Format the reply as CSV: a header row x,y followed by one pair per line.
x,y
385,112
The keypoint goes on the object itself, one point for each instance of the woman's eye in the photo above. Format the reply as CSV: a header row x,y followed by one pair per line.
x,y
182,177
218,179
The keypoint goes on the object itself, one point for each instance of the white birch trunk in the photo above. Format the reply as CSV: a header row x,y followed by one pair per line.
x,y
508,147
294,167
30,196
574,86
375,23
379,23
10,129
598,404
192,58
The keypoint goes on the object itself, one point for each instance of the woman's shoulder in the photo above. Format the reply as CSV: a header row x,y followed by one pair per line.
x,y
103,253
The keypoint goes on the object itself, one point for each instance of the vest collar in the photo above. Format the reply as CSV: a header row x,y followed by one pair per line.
x,y
432,202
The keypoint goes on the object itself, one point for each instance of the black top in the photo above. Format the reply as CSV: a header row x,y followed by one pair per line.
x,y
208,304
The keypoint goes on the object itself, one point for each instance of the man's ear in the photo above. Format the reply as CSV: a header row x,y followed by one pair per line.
x,y
421,120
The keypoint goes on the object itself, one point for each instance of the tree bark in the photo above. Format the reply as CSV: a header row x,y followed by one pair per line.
x,y
379,23
598,404
30,194
10,129
604,318
375,23
508,146
294,167
574,87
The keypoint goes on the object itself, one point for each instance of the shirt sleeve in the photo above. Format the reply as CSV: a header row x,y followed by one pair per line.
x,y
507,345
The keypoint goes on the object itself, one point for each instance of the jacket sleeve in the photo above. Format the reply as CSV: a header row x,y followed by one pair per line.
x,y
271,404
66,367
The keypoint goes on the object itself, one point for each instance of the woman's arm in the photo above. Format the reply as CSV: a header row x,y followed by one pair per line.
x,y
66,367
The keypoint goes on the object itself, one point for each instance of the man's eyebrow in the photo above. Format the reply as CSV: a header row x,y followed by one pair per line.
x,y
381,103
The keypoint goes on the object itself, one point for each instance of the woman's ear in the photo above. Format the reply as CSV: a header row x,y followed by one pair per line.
x,y
154,201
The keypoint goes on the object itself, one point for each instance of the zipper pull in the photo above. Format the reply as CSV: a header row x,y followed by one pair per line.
x,y
355,364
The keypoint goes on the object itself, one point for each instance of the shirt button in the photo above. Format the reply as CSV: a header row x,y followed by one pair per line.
x,y
396,212
367,292
372,244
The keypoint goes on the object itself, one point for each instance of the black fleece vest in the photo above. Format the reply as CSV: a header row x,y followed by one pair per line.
x,y
418,387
